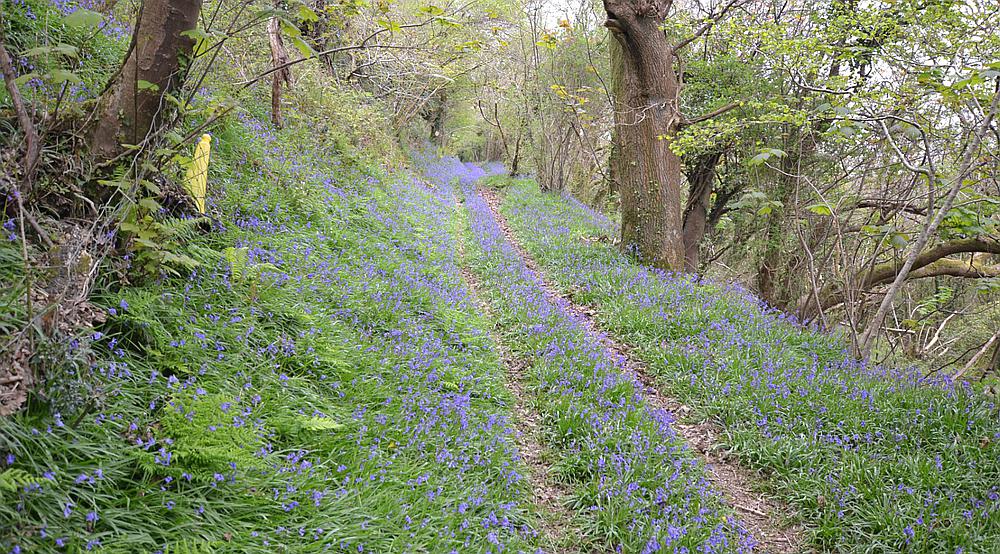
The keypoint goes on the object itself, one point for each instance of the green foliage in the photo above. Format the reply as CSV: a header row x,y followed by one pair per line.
x,y
12,479
235,398
65,59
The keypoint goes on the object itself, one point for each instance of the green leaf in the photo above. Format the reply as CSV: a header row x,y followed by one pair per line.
x,y
201,40
59,76
820,209
307,15
146,85
150,204
290,29
765,155
83,18
57,49
392,26
20,81
432,10
129,227
196,34
302,46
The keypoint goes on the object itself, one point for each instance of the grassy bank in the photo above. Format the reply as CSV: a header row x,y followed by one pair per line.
x,y
320,382
876,459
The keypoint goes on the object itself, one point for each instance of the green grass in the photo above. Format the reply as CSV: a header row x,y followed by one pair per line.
x,y
635,486
875,459
319,383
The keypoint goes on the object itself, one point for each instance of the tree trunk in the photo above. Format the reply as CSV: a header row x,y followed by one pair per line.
x,y
647,116
701,181
134,103
775,281
773,258
437,126
279,58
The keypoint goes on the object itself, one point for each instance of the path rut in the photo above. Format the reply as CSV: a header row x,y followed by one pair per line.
x,y
556,521
765,518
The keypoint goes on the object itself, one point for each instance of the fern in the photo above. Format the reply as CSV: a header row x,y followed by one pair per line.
x,y
238,259
178,228
13,480
320,424
295,424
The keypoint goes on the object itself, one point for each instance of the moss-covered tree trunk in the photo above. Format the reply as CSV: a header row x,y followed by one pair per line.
x,y
647,116
135,103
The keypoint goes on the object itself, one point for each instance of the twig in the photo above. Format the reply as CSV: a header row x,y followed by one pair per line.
x,y
713,113
30,139
712,20
749,509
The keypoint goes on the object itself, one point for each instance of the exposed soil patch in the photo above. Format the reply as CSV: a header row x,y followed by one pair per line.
x,y
767,519
556,521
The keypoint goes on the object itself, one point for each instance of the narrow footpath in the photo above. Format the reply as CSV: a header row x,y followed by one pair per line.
x,y
767,520
555,523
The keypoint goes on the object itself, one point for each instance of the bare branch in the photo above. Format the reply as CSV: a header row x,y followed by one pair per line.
x,y
712,20
714,113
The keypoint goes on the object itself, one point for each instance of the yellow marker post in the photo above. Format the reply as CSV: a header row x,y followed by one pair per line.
x,y
196,179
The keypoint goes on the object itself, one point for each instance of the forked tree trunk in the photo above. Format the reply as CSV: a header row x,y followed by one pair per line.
x,y
647,117
701,183
134,103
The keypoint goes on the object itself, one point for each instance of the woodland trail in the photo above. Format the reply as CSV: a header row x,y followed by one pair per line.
x,y
556,520
765,518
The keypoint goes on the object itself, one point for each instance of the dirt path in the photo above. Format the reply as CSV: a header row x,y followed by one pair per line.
x,y
765,518
556,520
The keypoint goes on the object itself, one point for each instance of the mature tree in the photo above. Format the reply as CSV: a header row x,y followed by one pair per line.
x,y
647,118
135,101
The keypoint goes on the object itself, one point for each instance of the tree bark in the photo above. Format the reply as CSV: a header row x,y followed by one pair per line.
x,y
437,120
773,279
279,58
701,181
647,117
134,103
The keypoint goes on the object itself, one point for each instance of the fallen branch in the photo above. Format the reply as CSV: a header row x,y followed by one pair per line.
x,y
974,359
933,262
